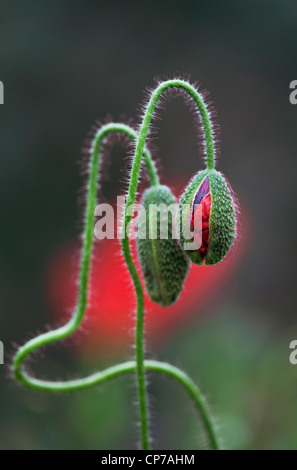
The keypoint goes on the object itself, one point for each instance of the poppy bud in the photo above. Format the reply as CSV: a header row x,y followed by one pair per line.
x,y
208,201
163,263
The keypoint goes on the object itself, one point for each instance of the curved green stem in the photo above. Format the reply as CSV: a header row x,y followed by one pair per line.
x,y
196,395
126,367
131,197
72,325
76,319
202,111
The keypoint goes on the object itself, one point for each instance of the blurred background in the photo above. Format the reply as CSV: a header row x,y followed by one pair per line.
x,y
66,64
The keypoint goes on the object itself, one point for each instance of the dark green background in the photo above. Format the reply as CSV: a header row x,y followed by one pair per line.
x,y
65,64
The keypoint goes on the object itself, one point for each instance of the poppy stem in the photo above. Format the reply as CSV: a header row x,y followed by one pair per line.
x,y
70,386
201,109
139,365
131,198
75,321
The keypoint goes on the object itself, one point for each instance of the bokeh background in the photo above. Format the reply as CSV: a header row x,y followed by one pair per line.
x,y
66,64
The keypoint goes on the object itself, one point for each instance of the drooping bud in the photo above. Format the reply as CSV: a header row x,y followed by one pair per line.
x,y
163,263
207,211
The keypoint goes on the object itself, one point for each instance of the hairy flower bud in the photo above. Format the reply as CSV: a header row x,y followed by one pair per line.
x,y
208,200
163,263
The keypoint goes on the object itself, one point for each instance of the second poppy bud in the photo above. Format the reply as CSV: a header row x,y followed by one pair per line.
x,y
207,218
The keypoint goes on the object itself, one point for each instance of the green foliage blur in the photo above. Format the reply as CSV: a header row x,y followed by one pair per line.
x,y
66,64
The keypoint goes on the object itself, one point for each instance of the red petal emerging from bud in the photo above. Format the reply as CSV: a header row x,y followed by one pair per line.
x,y
205,203
201,212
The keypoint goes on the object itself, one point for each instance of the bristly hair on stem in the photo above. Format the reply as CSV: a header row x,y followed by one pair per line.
x,y
143,134
140,365
180,92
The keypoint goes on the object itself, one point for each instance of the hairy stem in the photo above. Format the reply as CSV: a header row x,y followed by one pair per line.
x,y
77,317
201,108
126,367
132,191
140,365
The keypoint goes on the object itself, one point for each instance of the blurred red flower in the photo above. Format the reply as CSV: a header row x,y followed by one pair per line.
x,y
109,321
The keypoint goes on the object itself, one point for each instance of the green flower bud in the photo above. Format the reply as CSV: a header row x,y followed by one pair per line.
x,y
163,263
210,196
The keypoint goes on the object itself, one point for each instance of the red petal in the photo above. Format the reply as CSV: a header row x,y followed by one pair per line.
x,y
203,211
